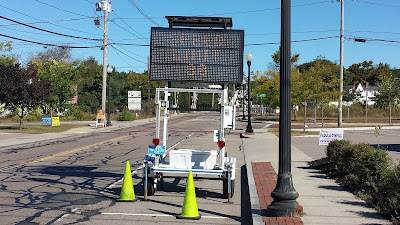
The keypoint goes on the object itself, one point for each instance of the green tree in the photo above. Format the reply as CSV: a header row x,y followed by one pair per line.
x,y
388,92
22,89
6,56
362,72
276,57
55,67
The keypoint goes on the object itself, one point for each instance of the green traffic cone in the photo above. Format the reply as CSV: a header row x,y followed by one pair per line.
x,y
189,209
127,192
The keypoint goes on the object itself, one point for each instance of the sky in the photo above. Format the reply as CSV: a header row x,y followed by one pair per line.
x,y
129,23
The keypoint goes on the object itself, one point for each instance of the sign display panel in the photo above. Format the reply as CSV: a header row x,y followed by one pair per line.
x,y
201,55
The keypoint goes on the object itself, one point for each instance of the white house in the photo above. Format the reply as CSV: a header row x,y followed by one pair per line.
x,y
367,93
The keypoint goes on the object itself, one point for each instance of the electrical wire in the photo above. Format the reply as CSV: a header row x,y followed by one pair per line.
x,y
48,44
275,43
131,44
131,52
134,3
44,3
128,30
127,55
13,24
51,32
141,36
296,32
374,3
122,57
45,21
268,9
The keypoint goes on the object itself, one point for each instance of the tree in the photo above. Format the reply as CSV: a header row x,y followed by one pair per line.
x,y
276,57
388,92
55,67
6,57
21,89
362,72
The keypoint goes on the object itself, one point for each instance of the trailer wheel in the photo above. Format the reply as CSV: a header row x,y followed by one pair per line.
x,y
225,187
151,186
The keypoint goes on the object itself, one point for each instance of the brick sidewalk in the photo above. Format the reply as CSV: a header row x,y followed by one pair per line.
x,y
265,180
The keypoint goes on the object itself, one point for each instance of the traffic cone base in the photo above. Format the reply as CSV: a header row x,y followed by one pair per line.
x,y
127,192
189,209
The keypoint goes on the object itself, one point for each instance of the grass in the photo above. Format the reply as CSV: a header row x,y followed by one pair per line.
x,y
39,129
294,132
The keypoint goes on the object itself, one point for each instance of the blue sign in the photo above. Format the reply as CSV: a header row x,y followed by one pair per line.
x,y
46,120
158,150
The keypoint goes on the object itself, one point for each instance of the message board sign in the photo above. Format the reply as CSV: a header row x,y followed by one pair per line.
x,y
328,135
200,55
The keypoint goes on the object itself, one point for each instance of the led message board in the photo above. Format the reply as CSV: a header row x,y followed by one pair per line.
x,y
200,55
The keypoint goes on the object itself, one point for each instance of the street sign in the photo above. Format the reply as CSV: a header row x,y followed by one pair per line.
x,y
261,95
158,150
201,55
55,121
134,94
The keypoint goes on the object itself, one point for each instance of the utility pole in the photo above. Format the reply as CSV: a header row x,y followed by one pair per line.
x,y
104,5
148,79
341,64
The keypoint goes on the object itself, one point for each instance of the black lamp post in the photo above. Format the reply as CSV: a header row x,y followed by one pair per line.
x,y
249,129
243,99
109,71
284,194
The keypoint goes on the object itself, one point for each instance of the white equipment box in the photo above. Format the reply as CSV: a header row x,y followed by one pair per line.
x,y
193,159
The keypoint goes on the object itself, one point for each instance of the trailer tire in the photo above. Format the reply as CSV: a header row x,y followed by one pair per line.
x,y
225,188
151,188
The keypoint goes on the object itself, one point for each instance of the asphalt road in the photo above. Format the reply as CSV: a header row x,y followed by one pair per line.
x,y
77,180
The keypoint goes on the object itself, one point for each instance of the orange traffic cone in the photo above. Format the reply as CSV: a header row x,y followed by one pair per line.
x,y
189,209
127,192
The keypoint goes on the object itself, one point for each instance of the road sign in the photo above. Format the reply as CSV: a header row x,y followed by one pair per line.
x,y
261,95
201,55
55,121
134,94
158,150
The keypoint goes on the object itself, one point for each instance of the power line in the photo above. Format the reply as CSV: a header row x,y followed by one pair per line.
x,y
127,54
47,44
130,44
51,32
45,21
59,8
131,52
129,26
87,17
375,3
134,3
297,32
263,10
275,43
127,30
122,58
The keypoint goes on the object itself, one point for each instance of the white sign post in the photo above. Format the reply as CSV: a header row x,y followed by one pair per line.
x,y
328,135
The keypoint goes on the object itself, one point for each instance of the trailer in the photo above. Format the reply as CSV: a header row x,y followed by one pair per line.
x,y
214,162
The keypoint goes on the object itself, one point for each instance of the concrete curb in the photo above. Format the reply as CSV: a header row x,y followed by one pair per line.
x,y
255,204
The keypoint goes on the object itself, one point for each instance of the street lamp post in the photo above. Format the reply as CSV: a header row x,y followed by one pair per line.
x,y
243,103
249,129
109,71
284,194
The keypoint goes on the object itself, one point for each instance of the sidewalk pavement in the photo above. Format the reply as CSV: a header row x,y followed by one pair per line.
x,y
323,200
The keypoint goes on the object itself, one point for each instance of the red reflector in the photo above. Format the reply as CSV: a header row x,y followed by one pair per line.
x,y
156,141
221,144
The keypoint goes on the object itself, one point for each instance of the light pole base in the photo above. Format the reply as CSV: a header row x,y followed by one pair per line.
x,y
108,124
282,208
249,129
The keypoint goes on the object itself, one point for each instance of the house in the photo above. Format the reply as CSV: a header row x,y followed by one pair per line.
x,y
366,93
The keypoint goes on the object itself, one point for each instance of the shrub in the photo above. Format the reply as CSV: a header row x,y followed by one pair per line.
x,y
126,115
367,168
334,151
